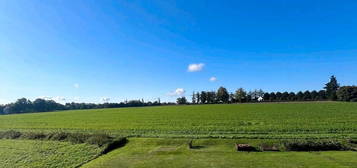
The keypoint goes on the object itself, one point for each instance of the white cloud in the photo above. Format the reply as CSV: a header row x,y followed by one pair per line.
x,y
195,67
76,99
44,97
76,85
177,92
105,99
59,99
213,79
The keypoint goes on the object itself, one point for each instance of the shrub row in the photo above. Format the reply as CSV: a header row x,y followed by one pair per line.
x,y
317,145
300,145
94,139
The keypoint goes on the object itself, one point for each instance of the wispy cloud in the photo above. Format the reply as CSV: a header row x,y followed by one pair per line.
x,y
195,67
58,99
177,92
105,99
213,79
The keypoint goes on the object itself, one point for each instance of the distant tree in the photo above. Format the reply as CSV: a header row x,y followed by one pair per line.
x,y
300,96
231,98
211,97
322,95
314,95
292,96
194,98
249,98
278,96
2,109
198,97
272,97
331,88
222,95
203,97
285,96
307,96
181,100
240,95
347,93
266,97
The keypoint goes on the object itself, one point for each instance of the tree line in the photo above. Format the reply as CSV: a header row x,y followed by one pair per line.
x,y
332,91
24,105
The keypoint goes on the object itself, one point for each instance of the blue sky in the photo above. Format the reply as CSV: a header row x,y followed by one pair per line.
x,y
90,51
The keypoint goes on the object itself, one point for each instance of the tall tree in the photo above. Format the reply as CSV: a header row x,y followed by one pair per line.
x,y
300,96
240,95
272,97
307,96
285,96
331,88
314,95
322,95
347,93
211,97
203,97
198,97
278,96
194,98
181,100
266,97
222,95
292,96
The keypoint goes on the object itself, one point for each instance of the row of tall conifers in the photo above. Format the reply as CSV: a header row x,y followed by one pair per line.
x,y
332,91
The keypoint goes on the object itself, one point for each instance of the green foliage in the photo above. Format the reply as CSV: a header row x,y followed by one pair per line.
x,y
315,145
222,95
98,139
331,88
240,95
347,93
181,100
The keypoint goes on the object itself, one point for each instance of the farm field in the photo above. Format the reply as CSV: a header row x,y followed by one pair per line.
x,y
157,152
40,154
158,136
266,120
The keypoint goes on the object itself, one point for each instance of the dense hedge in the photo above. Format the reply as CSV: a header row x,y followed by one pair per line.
x,y
347,93
94,139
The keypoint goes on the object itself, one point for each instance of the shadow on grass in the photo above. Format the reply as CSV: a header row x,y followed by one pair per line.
x,y
197,147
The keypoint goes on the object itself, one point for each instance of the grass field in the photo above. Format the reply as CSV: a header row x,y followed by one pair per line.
x,y
41,154
284,120
159,135
156,152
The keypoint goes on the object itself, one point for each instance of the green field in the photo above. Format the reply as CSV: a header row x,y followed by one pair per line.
x,y
41,154
159,135
284,120
156,152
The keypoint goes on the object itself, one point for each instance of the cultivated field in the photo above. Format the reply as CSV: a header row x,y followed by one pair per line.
x,y
159,135
44,154
285,120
